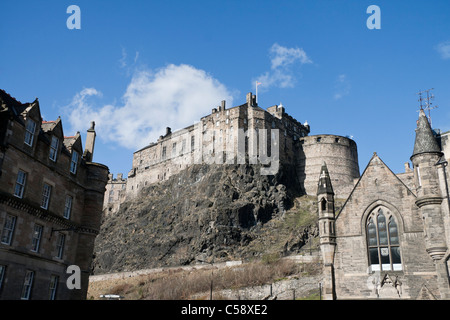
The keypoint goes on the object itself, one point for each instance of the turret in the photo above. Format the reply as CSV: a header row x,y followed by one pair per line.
x,y
327,235
425,158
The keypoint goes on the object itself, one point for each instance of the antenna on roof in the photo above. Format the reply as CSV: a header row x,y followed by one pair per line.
x,y
425,103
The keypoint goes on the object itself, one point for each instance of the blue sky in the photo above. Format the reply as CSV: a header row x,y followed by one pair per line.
x,y
136,67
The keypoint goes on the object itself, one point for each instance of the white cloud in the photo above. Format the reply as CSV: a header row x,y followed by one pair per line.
x,y
175,96
342,87
282,61
283,57
444,49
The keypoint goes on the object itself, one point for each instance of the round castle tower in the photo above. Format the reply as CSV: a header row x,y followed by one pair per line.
x,y
339,153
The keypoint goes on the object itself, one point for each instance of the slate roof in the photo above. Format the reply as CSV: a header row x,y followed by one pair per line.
x,y
425,140
324,185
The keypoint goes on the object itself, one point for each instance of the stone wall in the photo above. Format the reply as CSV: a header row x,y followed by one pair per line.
x,y
339,153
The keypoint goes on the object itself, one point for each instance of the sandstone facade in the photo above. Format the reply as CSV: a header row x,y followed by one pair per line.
x,y
391,238
51,197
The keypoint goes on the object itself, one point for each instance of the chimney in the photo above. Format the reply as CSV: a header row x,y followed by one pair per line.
x,y
90,143
249,99
223,104
168,131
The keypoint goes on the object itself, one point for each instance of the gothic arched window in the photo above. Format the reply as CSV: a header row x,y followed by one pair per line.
x,y
383,241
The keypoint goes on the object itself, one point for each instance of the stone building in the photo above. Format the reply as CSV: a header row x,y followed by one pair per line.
x,y
391,238
244,134
114,193
51,197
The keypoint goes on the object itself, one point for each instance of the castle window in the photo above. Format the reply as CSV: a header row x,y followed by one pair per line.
x,y
383,241
163,153
174,149
30,129
318,139
192,142
53,148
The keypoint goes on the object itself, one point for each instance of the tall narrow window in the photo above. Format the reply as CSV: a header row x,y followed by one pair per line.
x,y
192,143
30,129
60,245
20,184
2,275
36,240
54,148
383,241
74,162
323,204
8,229
27,284
46,196
53,286
418,176
174,149
163,153
68,207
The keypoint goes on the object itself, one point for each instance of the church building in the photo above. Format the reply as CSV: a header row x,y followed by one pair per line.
x,y
391,238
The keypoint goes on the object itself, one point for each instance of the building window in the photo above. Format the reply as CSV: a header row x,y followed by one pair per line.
x,y
29,132
74,162
418,176
36,240
8,229
27,284
2,275
54,148
20,184
46,196
174,149
53,286
383,241
192,142
323,205
163,153
68,207
60,245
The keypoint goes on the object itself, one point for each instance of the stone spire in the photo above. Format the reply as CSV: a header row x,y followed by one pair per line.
x,y
425,140
324,186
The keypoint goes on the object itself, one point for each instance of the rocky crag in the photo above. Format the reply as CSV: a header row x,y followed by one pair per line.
x,y
208,213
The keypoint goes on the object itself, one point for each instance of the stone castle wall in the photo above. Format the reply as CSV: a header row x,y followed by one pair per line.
x,y
220,136
341,157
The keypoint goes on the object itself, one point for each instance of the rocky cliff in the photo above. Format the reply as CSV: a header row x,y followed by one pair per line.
x,y
208,213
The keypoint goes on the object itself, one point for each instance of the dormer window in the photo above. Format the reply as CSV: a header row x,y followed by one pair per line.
x,y
53,148
30,129
74,162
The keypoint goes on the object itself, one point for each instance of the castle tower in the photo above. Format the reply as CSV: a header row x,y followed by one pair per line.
x,y
327,235
426,156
